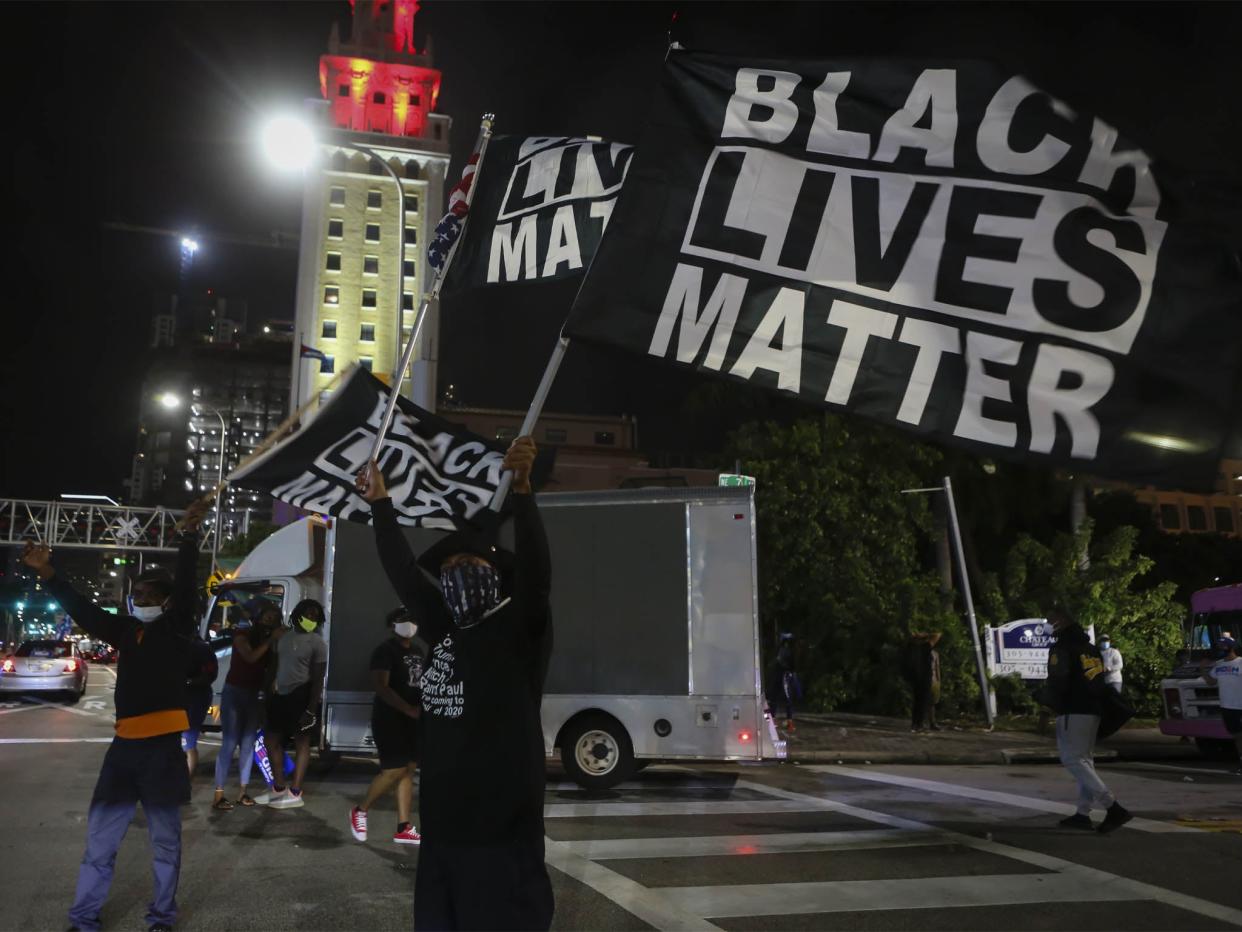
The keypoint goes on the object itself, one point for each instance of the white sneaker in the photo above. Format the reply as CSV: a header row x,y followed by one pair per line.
x,y
358,824
265,797
287,800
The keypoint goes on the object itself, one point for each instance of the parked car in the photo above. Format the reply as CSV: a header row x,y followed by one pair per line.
x,y
102,653
45,667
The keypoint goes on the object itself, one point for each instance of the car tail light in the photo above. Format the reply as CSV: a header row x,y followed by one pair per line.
x,y
71,666
1173,703
744,736
8,664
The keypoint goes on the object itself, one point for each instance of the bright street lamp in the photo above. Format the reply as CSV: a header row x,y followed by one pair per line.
x,y
289,144
168,400
189,245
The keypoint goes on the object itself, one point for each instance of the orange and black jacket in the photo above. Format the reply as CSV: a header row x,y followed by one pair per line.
x,y
152,658
1075,674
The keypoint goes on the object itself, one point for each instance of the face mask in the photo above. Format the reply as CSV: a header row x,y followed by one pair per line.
x,y
147,613
308,624
405,629
243,626
471,591
1104,645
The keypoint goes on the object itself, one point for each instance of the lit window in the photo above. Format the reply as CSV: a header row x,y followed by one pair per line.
x,y
327,364
370,265
329,329
379,97
407,268
368,297
411,236
367,334
336,228
333,263
336,197
605,438
372,232
342,90
554,435
374,200
407,302
331,294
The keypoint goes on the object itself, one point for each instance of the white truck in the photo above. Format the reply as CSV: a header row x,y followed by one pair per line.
x,y
655,619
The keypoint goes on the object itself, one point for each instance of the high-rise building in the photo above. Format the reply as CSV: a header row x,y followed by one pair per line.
x,y
378,92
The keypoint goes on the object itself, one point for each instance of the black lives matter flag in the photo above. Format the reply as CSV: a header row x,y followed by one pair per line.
x,y
438,475
942,248
540,207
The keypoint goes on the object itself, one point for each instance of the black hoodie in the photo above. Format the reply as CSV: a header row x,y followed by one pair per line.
x,y
481,756
1075,674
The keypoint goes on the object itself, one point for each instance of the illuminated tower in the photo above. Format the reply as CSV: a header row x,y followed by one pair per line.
x,y
379,92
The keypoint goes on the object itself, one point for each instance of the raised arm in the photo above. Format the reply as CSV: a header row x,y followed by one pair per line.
x,y
185,573
89,617
413,588
533,585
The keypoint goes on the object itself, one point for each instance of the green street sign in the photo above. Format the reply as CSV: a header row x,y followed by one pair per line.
x,y
729,480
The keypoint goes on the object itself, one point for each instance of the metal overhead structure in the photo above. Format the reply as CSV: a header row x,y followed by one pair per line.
x,y
79,526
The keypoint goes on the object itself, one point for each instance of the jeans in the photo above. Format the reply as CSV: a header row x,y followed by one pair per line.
x,y
106,827
239,722
1076,743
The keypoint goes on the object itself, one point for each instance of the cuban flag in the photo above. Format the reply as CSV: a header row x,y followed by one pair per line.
x,y
449,228
309,352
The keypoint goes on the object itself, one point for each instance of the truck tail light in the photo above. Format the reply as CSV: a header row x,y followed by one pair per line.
x,y
744,736
1173,703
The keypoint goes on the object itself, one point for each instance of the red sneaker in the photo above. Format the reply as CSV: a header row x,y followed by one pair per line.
x,y
407,836
358,823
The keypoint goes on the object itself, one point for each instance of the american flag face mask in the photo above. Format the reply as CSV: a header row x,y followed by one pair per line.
x,y
472,591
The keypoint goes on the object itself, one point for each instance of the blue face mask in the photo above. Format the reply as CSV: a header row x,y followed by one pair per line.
x,y
471,591
1105,645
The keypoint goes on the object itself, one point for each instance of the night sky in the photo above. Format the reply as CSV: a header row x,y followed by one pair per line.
x,y
145,114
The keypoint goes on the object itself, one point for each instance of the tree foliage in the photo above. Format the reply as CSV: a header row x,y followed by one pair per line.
x,y
840,559
1144,623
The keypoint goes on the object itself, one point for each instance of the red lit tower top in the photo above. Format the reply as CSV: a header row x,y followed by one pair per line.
x,y
377,82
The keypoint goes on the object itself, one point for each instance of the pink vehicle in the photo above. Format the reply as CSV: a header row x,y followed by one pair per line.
x,y
1191,706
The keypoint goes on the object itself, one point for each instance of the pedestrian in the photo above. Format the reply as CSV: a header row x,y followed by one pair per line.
x,y
199,691
1112,662
1225,673
789,686
1076,692
481,865
396,668
239,700
922,671
293,708
144,763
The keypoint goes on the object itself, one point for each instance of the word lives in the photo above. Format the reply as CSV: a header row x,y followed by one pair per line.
x,y
556,204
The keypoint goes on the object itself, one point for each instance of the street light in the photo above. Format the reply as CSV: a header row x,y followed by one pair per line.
x,y
189,245
289,143
172,401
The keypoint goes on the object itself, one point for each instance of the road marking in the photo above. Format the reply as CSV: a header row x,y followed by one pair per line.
x,y
1144,765
711,807
654,907
63,708
608,849
55,740
980,795
20,708
1103,882
1213,825
787,899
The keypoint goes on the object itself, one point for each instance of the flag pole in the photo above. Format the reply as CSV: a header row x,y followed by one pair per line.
x,y
480,146
532,413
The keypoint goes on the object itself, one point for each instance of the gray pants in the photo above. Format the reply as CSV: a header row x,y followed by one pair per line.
x,y
1076,744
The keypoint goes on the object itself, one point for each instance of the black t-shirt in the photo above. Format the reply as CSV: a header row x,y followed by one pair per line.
x,y
405,669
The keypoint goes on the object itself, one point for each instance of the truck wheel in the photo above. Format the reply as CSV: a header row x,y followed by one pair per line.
x,y
1216,748
596,752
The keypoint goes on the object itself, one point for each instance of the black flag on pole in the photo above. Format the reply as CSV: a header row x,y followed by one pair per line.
x,y
538,211
439,475
940,247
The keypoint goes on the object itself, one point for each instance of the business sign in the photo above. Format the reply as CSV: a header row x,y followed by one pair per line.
x,y
1021,647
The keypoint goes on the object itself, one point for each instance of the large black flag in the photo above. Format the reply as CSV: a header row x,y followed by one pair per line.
x,y
938,246
438,475
539,209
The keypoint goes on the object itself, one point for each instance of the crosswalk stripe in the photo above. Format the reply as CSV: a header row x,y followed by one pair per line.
x,y
974,793
651,906
785,899
608,849
708,807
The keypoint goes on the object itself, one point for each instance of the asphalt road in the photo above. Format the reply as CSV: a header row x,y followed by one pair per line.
x,y
722,847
